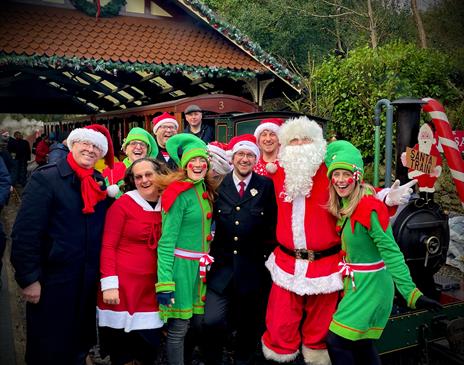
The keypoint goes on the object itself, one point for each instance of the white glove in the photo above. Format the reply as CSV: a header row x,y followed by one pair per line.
x,y
399,195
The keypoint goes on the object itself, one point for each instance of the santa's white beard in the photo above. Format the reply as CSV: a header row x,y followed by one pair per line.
x,y
300,164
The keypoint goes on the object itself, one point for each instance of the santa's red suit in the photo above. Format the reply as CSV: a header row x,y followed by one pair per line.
x,y
425,181
302,290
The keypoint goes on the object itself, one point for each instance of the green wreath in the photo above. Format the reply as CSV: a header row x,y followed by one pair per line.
x,y
90,8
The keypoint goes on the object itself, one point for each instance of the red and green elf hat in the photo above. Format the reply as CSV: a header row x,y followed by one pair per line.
x,y
343,155
189,145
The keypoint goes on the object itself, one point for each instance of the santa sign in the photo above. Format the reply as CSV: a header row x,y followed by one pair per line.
x,y
420,161
423,160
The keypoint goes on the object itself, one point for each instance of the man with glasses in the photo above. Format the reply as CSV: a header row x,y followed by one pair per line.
x,y
56,241
245,213
138,144
164,127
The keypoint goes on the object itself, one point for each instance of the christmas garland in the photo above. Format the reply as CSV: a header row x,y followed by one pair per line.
x,y
92,65
236,35
91,8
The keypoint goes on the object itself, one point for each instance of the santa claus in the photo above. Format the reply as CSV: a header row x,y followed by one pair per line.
x,y
427,145
304,266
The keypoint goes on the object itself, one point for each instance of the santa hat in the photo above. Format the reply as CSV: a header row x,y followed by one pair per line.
x,y
271,124
140,134
163,119
220,161
99,136
301,127
190,146
343,155
244,142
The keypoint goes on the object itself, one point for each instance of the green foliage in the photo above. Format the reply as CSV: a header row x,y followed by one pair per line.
x,y
352,86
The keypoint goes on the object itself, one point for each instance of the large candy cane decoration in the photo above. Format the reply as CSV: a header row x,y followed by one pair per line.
x,y
450,148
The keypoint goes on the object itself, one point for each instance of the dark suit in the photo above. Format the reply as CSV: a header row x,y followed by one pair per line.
x,y
238,280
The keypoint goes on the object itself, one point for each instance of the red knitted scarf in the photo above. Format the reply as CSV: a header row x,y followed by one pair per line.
x,y
90,190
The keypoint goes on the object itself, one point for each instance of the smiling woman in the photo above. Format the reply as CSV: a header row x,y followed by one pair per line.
x,y
128,313
184,245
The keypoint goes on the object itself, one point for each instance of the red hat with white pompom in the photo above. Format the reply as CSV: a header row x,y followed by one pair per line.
x,y
163,119
244,142
271,124
99,136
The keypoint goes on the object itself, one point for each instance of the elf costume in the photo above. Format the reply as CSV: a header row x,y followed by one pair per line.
x,y
114,177
186,235
372,260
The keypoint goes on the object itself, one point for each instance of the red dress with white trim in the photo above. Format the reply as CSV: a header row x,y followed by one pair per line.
x,y
129,262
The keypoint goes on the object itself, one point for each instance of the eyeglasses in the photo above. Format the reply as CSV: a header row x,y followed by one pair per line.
x,y
137,143
164,126
249,156
89,145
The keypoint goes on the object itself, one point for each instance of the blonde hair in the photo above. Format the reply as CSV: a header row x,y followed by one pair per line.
x,y
334,202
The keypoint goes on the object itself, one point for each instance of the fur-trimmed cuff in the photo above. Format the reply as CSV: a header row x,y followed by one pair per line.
x,y
110,282
299,283
272,355
315,357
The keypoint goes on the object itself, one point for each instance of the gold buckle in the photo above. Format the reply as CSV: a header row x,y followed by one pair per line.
x,y
304,254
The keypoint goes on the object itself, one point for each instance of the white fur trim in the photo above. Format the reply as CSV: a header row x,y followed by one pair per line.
x,y
110,282
315,357
272,355
129,322
112,190
88,135
262,127
164,121
382,194
298,283
135,195
301,127
426,189
298,226
217,151
246,145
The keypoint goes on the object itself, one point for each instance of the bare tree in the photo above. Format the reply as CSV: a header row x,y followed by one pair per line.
x,y
419,24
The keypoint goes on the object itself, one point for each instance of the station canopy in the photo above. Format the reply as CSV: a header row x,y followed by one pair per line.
x,y
61,57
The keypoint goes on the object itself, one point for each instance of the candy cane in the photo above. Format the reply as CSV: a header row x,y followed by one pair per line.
x,y
450,148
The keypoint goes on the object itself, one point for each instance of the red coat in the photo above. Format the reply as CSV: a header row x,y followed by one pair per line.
x,y
319,233
41,152
128,261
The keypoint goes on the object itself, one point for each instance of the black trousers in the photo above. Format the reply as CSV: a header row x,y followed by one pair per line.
x,y
123,347
346,352
230,311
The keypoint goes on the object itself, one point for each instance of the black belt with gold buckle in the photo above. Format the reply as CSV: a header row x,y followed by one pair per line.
x,y
310,255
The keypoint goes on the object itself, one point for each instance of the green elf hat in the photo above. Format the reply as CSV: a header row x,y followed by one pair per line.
x,y
190,146
343,155
140,134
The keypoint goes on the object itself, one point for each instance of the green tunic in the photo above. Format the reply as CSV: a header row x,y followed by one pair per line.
x,y
364,310
186,225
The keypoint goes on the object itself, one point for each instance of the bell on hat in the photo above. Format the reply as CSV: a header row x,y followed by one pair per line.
x,y
163,119
271,124
190,146
244,142
99,136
